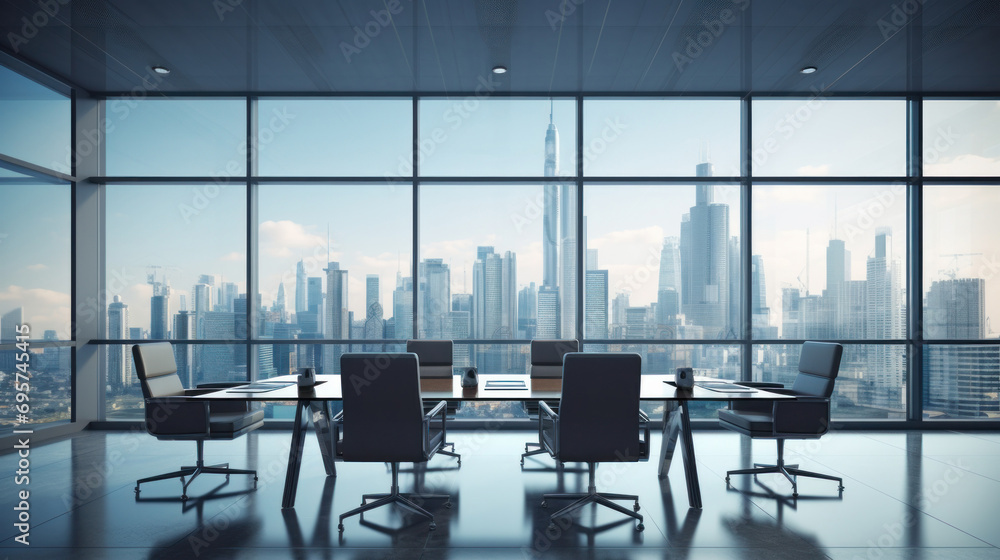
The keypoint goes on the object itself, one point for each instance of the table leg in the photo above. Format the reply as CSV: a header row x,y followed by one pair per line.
x,y
295,455
322,422
687,452
671,429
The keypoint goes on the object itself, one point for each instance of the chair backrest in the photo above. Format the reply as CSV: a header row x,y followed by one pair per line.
x,y
157,370
435,357
547,357
599,409
383,413
819,363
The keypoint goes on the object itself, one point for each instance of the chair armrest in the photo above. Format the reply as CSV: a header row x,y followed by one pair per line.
x,y
644,442
176,416
548,428
440,409
643,417
544,408
803,416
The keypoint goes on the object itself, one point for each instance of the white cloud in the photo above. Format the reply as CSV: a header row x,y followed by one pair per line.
x,y
645,237
43,309
286,238
37,267
814,170
965,164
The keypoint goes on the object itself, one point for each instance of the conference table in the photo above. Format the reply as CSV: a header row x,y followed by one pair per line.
x,y
313,406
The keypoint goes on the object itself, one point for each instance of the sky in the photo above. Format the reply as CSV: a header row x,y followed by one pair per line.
x,y
192,229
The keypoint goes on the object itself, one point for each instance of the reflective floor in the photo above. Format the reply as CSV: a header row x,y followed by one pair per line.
x,y
908,495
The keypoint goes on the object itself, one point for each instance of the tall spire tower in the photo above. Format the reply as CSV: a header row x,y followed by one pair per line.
x,y
550,235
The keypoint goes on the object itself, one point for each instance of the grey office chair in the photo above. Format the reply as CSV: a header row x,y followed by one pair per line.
x,y
383,421
435,358
546,363
807,417
170,416
598,421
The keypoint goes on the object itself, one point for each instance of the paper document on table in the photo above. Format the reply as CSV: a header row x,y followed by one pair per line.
x,y
259,387
500,384
726,387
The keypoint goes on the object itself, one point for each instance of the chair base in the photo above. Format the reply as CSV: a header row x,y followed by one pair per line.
x,y
790,472
451,453
529,452
193,471
594,497
404,501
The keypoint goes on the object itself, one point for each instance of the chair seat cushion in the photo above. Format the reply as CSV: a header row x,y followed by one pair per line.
x,y
232,422
748,421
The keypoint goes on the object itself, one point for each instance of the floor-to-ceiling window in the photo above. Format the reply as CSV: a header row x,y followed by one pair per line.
x,y
36,322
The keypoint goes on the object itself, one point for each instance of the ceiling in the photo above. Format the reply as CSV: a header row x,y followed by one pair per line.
x,y
564,46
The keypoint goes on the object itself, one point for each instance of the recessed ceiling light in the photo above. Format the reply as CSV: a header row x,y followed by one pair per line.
x,y
499,69
808,70
161,70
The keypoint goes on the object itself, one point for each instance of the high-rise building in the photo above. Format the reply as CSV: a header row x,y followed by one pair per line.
x,y
119,355
670,265
567,261
228,292
884,319
159,316
338,320
374,325
550,209
547,319
434,303
402,308
704,248
527,311
279,304
300,287
956,309
461,327
595,306
508,308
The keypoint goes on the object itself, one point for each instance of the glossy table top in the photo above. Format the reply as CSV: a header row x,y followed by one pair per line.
x,y
655,387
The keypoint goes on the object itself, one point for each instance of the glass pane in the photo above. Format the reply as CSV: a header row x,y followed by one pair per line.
x,y
176,137
327,137
334,264
196,364
497,261
824,137
961,138
476,137
36,122
961,382
176,267
639,137
665,268
961,262
35,245
871,382
829,262
49,389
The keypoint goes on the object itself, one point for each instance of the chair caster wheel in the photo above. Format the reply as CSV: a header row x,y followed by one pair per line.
x,y
635,507
136,489
447,505
727,479
227,478
432,526
795,494
340,527
640,527
522,462
551,527
184,497
545,504
840,488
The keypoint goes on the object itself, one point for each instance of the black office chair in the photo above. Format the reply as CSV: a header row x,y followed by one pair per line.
x,y
807,417
435,358
546,363
170,416
383,420
598,421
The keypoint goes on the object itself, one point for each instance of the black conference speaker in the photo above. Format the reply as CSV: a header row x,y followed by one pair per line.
x,y
470,378
685,377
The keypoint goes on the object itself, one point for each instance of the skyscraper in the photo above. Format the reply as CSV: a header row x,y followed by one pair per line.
x,y
884,319
670,265
119,356
596,306
159,315
527,311
374,324
550,209
300,287
402,307
704,248
434,304
567,261
338,321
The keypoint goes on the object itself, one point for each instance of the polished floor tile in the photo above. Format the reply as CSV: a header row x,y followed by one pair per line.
x,y
908,495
